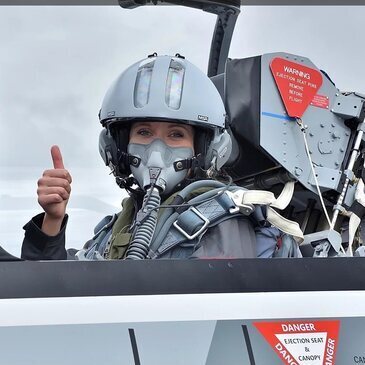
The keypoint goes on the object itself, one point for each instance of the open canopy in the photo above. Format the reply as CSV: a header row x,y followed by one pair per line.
x,y
227,12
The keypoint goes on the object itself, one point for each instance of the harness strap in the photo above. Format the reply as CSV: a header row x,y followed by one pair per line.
x,y
192,223
356,212
287,226
95,248
244,197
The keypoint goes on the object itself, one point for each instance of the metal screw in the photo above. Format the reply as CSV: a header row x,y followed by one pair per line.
x,y
179,165
298,171
135,161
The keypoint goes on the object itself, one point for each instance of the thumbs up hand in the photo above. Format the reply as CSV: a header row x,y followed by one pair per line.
x,y
54,189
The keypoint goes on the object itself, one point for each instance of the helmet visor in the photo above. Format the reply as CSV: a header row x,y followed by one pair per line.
x,y
143,84
174,84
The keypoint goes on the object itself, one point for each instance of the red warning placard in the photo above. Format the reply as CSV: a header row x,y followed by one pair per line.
x,y
297,84
320,101
302,342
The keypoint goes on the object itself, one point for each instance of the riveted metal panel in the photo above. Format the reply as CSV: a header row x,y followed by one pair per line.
x,y
281,137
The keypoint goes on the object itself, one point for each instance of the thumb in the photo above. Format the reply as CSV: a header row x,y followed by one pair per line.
x,y
57,157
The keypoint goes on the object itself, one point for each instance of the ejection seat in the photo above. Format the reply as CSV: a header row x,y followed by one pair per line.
x,y
269,148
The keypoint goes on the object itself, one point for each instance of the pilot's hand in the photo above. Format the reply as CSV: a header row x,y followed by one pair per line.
x,y
54,189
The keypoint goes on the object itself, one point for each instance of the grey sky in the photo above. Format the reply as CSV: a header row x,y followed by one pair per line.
x,y
56,64
60,61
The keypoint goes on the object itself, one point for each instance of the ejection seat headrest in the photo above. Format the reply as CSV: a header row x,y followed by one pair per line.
x,y
239,87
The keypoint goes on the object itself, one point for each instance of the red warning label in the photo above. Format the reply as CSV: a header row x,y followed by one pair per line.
x,y
297,84
304,342
320,101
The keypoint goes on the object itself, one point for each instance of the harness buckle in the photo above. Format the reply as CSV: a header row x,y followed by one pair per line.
x,y
200,230
238,198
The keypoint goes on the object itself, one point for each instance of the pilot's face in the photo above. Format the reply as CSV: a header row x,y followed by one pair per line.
x,y
173,134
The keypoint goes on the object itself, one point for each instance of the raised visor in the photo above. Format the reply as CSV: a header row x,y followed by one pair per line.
x,y
110,278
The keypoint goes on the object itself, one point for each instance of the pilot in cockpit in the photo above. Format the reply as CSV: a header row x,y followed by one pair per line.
x,y
165,139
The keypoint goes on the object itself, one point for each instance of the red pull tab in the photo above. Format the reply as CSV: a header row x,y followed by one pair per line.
x,y
297,84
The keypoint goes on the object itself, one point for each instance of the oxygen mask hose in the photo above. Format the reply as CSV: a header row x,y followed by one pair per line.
x,y
145,225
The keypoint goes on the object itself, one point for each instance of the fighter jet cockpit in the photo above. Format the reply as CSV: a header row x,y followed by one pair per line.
x,y
220,144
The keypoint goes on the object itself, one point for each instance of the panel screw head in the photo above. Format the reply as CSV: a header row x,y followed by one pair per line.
x,y
298,171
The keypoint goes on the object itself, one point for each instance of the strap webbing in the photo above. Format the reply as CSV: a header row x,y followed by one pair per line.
x,y
193,222
356,213
262,197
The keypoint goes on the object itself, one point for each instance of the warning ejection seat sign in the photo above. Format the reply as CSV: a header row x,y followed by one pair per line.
x,y
297,84
305,342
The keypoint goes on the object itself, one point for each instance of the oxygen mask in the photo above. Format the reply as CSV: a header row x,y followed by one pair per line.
x,y
157,164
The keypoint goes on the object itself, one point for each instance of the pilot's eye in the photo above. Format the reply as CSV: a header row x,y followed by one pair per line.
x,y
177,134
144,132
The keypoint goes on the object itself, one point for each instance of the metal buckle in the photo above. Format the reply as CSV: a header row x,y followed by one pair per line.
x,y
237,198
201,230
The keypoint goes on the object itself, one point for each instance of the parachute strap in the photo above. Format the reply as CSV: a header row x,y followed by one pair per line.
x,y
247,198
242,197
356,212
287,226
193,222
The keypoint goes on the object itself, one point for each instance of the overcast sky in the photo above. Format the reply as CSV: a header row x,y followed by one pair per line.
x,y
56,63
